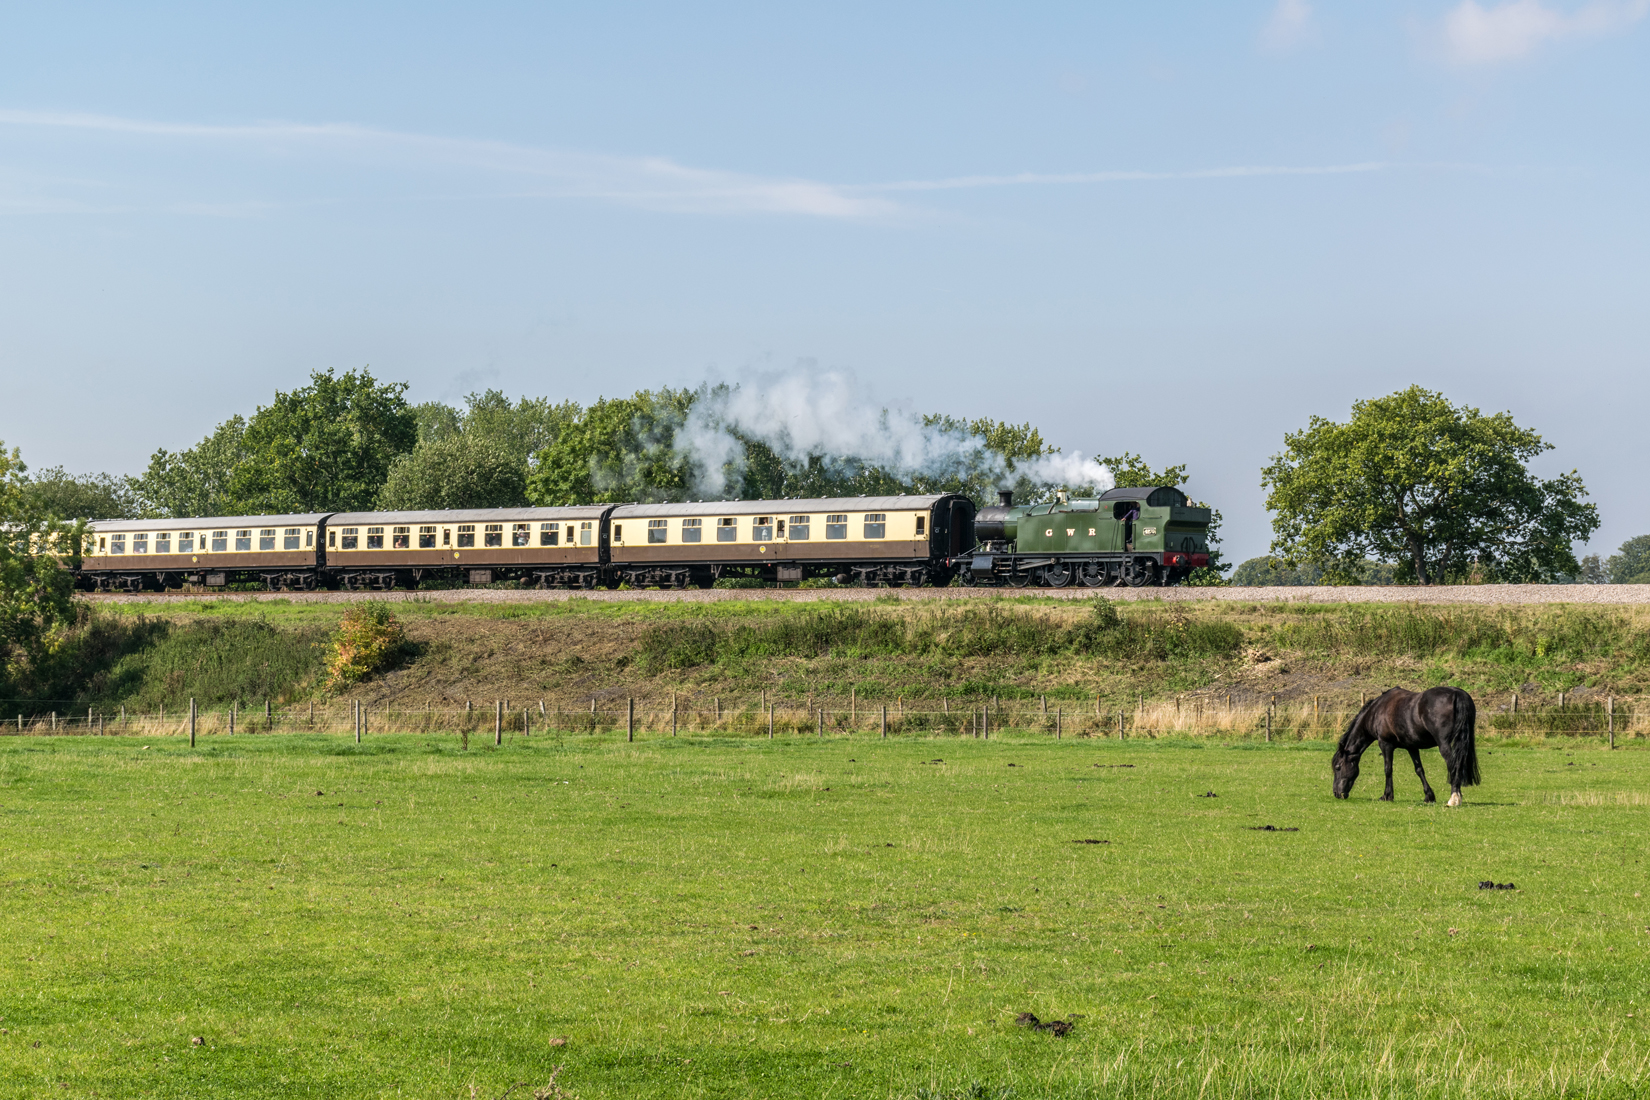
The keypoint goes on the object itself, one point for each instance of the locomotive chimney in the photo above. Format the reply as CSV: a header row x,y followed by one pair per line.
x,y
1005,497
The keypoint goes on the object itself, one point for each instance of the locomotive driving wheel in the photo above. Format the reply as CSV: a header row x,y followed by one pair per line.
x,y
1057,576
1092,575
1018,579
1137,574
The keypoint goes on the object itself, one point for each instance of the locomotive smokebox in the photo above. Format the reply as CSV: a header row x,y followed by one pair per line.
x,y
991,524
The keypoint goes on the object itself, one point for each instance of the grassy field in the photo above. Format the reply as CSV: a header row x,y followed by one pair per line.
x,y
290,916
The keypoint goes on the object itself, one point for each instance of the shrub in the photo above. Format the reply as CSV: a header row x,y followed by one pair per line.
x,y
369,640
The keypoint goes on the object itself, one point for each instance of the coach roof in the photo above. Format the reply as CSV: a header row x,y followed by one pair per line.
x,y
192,523
471,515
780,507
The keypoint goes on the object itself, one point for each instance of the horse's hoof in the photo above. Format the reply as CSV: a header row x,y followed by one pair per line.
x,y
1455,799
1430,798
1386,798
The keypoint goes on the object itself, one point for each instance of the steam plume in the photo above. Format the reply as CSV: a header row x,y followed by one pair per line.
x,y
829,416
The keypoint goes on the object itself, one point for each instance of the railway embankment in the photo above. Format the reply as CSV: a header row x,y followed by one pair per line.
x,y
1214,661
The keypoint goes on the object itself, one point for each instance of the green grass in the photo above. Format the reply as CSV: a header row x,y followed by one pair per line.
x,y
864,918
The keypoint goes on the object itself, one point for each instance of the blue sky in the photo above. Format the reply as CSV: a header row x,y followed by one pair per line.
x,y
1175,229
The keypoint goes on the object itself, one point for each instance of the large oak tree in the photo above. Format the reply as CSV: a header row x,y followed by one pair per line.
x,y
1442,491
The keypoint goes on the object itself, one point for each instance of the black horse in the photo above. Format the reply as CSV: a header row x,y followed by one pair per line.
x,y
1441,717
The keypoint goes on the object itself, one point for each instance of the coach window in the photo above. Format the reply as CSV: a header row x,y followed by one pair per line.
x,y
466,534
692,529
140,543
332,539
727,530
585,533
426,538
352,538
521,534
401,538
876,525
375,538
762,529
117,544
186,542
836,526
618,533
549,534
922,522
266,538
163,542
800,526
309,538
658,530
290,540
493,535
220,541
446,536
243,540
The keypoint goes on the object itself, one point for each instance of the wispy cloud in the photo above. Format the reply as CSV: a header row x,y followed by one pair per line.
x,y
650,182
1029,178
655,182
1476,35
1290,26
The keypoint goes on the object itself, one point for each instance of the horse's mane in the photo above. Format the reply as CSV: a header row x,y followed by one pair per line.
x,y
1352,726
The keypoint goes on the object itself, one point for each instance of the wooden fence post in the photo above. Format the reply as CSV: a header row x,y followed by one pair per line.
x,y
1515,702
770,721
1121,734
192,723
821,723
630,719
1269,719
527,721
1057,723
1610,717
360,720
718,708
985,723
498,722
231,718
885,721
853,707
673,714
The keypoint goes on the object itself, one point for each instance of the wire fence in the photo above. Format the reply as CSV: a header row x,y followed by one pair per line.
x,y
1606,719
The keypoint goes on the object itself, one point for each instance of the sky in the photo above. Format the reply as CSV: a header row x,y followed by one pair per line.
x,y
1181,230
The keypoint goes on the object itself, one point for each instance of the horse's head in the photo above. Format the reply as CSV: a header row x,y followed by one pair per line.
x,y
1345,767
1348,752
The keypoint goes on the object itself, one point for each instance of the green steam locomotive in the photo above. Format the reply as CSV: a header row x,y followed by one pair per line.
x,y
1132,536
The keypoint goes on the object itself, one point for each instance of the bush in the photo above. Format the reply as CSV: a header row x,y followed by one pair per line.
x,y
369,640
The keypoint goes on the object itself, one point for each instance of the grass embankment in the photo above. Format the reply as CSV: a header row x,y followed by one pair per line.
x,y
1210,666
283,916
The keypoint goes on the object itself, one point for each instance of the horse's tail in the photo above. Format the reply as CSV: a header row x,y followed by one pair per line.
x,y
1463,742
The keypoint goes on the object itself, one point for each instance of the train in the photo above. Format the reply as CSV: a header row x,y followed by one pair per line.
x,y
1133,536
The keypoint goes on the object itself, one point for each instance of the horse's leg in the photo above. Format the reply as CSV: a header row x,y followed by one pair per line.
x,y
1386,753
1415,755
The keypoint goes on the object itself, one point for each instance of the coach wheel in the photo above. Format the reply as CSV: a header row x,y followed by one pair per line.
x,y
1137,574
587,581
1057,576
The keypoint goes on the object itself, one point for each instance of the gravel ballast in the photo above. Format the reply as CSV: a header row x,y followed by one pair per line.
x,y
1442,594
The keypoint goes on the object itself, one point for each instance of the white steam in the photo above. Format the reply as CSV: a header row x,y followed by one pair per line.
x,y
807,413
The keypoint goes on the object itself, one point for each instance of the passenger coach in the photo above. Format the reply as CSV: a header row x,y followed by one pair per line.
x,y
895,540
137,554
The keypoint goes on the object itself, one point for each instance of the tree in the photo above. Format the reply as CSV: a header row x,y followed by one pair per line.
x,y
326,447
57,493
1132,471
461,471
1630,564
197,482
37,552
1592,571
1441,491
621,449
522,430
